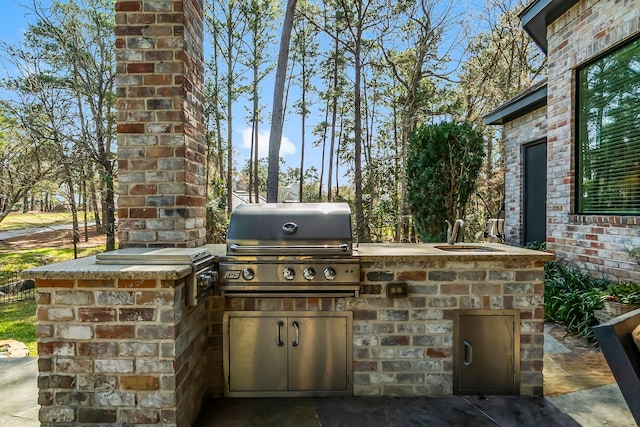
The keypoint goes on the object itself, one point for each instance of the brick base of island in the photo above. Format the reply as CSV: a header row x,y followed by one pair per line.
x,y
118,344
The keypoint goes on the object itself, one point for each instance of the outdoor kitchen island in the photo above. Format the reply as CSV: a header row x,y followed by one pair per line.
x,y
120,344
408,345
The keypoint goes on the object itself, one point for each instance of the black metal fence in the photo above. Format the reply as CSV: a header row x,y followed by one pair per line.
x,y
12,288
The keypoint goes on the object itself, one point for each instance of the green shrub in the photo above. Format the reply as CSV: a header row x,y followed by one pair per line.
x,y
443,163
623,292
571,297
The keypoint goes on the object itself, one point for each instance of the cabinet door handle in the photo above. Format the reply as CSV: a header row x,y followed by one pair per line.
x,y
296,325
468,353
279,342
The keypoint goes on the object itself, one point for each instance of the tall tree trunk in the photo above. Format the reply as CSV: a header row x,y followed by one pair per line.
x,y
218,119
94,202
302,139
251,160
339,142
334,118
254,138
75,233
84,205
277,115
229,115
361,226
110,218
324,150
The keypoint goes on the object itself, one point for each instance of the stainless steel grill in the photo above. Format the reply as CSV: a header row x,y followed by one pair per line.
x,y
288,249
198,283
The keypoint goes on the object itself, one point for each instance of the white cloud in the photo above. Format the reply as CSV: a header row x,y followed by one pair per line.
x,y
286,147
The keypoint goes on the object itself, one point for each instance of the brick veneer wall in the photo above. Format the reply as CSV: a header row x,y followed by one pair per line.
x,y
596,243
161,146
120,352
524,130
404,346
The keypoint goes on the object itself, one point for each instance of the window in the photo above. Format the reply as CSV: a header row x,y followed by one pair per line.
x,y
608,141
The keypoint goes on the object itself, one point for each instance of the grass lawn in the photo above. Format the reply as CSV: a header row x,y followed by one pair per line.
x,y
18,322
18,319
17,220
11,260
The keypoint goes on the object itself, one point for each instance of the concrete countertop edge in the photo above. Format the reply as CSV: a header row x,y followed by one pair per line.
x,y
86,268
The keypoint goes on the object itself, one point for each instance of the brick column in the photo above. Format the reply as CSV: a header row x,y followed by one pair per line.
x,y
121,351
161,144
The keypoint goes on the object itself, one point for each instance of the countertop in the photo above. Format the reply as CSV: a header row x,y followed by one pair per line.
x,y
86,268
442,251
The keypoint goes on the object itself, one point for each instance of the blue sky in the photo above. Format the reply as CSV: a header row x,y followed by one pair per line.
x,y
14,19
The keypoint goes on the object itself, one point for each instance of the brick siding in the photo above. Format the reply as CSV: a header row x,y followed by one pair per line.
x,y
596,243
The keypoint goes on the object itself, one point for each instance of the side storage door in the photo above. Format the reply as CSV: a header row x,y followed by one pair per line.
x,y
256,353
486,352
319,353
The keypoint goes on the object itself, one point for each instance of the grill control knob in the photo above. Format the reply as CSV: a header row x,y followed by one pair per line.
x,y
330,273
207,279
288,273
248,274
309,273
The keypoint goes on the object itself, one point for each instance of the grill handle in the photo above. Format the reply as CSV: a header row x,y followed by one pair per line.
x,y
234,247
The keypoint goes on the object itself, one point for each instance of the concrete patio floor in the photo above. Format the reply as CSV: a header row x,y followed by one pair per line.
x,y
579,391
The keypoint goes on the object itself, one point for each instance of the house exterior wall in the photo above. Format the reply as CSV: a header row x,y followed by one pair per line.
x,y
524,130
596,243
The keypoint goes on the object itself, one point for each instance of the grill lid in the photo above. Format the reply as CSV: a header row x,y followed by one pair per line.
x,y
283,228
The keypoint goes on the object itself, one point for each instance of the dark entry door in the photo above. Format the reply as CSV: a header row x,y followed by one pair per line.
x,y
535,192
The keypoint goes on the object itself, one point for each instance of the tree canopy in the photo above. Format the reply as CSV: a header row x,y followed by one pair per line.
x,y
362,77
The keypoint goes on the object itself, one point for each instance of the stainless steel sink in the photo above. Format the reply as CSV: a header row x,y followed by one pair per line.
x,y
463,248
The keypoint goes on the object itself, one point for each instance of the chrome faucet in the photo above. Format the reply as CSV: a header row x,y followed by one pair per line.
x,y
452,232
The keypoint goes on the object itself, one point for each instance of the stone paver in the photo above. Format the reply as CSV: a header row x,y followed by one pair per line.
x,y
18,392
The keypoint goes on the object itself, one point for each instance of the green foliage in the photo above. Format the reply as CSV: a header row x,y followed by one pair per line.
x,y
623,292
635,253
217,221
571,297
443,164
537,246
18,322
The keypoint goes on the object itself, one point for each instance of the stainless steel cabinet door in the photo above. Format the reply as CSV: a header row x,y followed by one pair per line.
x,y
257,354
318,353
287,353
487,352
